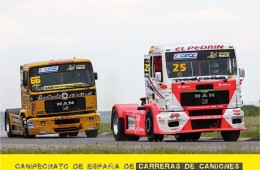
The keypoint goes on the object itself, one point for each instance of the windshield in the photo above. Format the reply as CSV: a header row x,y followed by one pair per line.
x,y
63,76
200,63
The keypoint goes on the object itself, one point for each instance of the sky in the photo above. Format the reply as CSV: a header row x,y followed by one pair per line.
x,y
116,34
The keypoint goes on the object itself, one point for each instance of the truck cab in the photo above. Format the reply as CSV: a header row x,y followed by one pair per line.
x,y
57,97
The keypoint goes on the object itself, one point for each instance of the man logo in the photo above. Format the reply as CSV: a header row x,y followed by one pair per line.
x,y
68,103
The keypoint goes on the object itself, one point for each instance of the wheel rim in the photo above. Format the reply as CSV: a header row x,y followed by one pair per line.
x,y
148,125
115,123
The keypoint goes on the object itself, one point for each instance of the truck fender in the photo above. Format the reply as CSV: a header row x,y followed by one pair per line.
x,y
15,111
155,111
121,110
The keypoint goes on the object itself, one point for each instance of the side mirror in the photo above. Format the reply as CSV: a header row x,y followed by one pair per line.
x,y
242,73
25,78
158,76
95,76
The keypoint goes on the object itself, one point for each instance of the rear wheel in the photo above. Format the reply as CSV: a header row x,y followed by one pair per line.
x,y
73,134
118,128
91,133
8,126
230,135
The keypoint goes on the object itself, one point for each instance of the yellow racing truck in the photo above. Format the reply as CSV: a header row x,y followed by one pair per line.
x,y
57,97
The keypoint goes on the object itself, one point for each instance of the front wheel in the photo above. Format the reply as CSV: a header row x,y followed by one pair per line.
x,y
63,135
73,134
150,129
25,129
118,128
230,135
91,133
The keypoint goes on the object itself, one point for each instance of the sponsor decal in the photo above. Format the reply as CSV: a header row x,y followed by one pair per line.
x,y
16,120
80,67
236,112
202,47
224,84
206,117
223,54
183,86
150,85
213,55
71,68
131,122
161,121
48,69
30,125
180,56
175,115
62,86
62,95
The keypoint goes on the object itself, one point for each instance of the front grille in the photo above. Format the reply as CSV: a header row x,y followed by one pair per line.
x,y
67,129
74,104
205,112
66,121
205,124
204,98
204,86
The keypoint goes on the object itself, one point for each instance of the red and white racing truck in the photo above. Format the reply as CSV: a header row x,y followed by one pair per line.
x,y
189,89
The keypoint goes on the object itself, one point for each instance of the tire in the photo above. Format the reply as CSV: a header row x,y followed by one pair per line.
x,y
73,134
149,128
63,135
133,138
25,129
7,126
181,137
91,133
188,137
194,136
230,135
159,138
117,126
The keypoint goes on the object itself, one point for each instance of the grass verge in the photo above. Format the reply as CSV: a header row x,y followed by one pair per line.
x,y
98,149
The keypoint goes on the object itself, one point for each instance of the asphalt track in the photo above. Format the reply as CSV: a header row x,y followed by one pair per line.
x,y
108,140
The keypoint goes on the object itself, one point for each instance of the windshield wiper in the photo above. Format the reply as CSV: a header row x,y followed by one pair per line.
x,y
214,78
187,79
200,78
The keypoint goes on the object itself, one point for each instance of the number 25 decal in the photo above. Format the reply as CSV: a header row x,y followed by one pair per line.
x,y
179,67
146,67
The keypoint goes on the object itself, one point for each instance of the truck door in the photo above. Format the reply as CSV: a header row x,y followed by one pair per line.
x,y
154,80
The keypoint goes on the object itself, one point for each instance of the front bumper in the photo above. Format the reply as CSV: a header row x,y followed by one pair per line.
x,y
62,124
181,122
